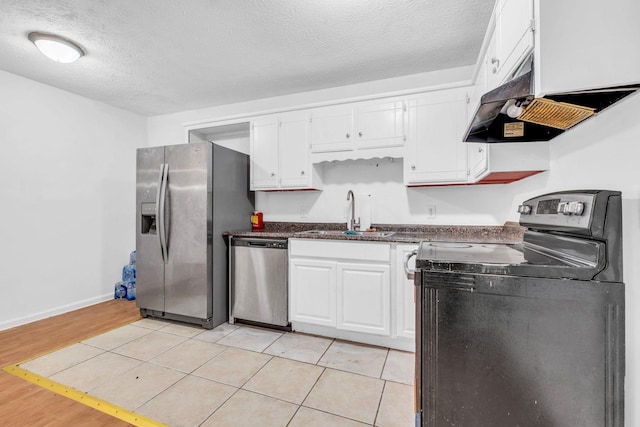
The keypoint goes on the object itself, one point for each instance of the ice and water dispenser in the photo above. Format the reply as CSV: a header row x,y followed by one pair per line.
x,y
148,213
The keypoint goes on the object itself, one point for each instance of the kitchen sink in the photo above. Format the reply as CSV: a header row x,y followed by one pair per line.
x,y
350,233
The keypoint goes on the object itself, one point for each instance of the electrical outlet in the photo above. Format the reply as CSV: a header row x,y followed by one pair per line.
x,y
304,212
431,212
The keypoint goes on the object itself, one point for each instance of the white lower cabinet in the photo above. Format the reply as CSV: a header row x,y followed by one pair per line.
x,y
347,290
364,298
312,299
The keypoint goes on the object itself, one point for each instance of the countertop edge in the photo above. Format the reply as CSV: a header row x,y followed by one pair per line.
x,y
509,233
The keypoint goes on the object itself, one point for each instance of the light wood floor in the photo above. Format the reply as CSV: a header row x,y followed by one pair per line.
x,y
25,404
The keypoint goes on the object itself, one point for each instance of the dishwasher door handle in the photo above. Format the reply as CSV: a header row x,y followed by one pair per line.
x,y
257,244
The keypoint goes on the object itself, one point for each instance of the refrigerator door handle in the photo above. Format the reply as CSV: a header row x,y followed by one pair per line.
x,y
162,229
159,233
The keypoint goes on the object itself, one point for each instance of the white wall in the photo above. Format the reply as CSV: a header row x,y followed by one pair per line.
x,y
600,153
67,187
603,153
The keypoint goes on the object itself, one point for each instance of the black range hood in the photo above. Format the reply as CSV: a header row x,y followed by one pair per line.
x,y
511,112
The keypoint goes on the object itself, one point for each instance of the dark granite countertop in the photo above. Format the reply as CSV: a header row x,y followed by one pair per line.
x,y
510,232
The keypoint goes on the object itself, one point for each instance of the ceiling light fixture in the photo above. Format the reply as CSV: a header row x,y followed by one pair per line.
x,y
56,48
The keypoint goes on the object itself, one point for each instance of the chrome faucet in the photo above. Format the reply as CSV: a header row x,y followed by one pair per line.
x,y
353,224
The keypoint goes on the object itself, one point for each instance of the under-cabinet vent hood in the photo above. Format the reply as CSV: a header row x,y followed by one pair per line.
x,y
512,113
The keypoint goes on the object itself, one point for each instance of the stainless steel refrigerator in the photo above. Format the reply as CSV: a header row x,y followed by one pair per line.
x,y
186,196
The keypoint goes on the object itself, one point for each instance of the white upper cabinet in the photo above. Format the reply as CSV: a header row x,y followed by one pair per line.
x,y
358,130
295,166
264,154
279,149
586,44
513,36
435,152
331,128
379,124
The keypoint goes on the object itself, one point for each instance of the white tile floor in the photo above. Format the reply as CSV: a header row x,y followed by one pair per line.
x,y
236,375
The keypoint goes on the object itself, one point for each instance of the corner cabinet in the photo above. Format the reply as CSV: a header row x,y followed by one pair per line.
x,y
358,130
279,150
435,153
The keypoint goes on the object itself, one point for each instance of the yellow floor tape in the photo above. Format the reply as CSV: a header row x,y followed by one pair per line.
x,y
85,399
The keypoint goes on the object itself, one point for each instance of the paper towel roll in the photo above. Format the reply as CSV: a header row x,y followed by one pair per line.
x,y
363,209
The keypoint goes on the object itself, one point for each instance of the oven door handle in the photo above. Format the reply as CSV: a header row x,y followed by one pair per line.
x,y
411,274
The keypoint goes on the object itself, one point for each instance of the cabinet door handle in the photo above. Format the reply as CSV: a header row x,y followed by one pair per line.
x,y
360,134
413,167
273,174
301,172
496,65
480,150
348,135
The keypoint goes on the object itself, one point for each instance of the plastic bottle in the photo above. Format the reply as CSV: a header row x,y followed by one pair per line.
x,y
132,257
120,290
129,273
131,291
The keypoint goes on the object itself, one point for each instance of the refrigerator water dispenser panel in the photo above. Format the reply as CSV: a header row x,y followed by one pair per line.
x,y
148,218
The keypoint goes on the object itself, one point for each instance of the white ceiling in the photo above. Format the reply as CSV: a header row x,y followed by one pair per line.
x,y
162,56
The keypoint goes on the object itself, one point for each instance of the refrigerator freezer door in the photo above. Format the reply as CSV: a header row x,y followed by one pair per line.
x,y
188,224
149,264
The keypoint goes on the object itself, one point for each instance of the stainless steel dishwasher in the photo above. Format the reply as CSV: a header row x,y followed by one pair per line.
x,y
258,281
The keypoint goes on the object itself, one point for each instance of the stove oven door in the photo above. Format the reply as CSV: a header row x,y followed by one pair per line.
x,y
512,351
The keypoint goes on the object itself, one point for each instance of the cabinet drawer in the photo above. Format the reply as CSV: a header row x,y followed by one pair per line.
x,y
344,250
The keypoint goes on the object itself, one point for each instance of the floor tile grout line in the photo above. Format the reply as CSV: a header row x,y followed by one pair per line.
x,y
352,373
120,345
222,404
256,373
336,415
384,387
333,340
159,393
313,386
164,351
294,415
64,369
384,365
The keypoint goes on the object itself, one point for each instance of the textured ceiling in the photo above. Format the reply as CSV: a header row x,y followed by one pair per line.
x,y
162,56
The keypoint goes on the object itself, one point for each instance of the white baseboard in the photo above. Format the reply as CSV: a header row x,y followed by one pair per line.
x,y
54,311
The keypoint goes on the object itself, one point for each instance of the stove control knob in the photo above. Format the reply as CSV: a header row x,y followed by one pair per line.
x,y
524,209
562,208
575,208
571,208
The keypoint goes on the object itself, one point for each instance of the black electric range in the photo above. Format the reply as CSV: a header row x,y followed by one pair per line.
x,y
530,334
